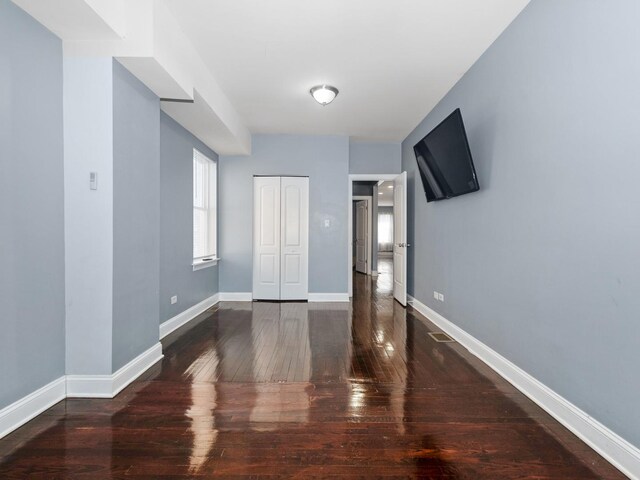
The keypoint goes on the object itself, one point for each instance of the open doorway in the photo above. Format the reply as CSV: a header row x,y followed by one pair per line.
x,y
384,245
377,233
363,224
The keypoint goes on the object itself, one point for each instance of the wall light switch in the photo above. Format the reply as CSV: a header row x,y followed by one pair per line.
x,y
93,180
441,297
435,295
174,299
327,223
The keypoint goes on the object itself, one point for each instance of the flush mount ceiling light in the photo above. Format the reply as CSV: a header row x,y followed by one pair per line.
x,y
324,94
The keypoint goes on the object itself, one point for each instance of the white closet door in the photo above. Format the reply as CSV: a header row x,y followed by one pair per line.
x,y
266,238
400,238
294,220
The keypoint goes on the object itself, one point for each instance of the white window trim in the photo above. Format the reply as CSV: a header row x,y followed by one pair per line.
x,y
206,261
203,263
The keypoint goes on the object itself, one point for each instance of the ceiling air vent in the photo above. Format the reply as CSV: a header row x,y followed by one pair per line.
x,y
441,337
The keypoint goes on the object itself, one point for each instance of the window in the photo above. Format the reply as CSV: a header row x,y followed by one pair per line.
x,y
204,211
385,230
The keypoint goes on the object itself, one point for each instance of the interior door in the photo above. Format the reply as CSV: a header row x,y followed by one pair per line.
x,y
266,238
400,238
361,236
294,220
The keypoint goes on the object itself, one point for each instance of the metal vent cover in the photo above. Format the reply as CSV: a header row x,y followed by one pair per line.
x,y
441,337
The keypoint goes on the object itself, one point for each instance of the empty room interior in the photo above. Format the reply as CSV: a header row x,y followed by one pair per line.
x,y
284,239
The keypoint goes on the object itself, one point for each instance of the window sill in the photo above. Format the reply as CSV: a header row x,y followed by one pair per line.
x,y
205,263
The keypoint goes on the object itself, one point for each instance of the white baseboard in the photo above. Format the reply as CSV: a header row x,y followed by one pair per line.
x,y
108,386
313,297
189,314
620,453
236,296
328,297
23,410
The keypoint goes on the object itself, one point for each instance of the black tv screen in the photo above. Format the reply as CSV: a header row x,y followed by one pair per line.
x,y
445,162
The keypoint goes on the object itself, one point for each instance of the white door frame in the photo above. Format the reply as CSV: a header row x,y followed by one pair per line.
x,y
369,201
364,177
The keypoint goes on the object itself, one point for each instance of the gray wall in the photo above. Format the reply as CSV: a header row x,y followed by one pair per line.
x,y
136,216
31,206
374,157
542,263
325,159
176,222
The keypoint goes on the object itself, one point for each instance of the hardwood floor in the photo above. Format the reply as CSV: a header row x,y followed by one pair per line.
x,y
310,391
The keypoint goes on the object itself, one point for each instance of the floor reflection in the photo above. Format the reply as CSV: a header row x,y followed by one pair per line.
x,y
203,403
307,390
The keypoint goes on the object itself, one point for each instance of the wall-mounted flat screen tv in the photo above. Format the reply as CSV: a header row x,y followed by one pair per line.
x,y
445,162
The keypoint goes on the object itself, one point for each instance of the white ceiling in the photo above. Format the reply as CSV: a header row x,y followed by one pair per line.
x,y
391,60
385,194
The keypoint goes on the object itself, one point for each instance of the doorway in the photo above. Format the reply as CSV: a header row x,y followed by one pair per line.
x,y
362,231
377,233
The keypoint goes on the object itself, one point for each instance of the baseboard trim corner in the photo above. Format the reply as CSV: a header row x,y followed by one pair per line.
x,y
21,411
136,367
236,296
189,314
616,450
328,297
108,386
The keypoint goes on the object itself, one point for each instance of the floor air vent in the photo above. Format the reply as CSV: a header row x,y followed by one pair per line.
x,y
441,337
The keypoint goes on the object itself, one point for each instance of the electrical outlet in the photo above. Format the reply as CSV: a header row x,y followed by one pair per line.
x,y
441,297
174,299
435,295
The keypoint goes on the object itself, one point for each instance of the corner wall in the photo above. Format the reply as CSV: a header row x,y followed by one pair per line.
x,y
542,263
176,222
88,214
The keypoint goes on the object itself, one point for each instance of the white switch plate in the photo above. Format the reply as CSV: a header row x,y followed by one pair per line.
x,y
327,223
435,295
93,180
174,299
441,297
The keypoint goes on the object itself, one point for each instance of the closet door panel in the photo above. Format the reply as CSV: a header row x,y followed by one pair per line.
x,y
266,238
294,283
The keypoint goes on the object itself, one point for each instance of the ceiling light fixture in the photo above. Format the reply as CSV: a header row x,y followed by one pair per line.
x,y
324,94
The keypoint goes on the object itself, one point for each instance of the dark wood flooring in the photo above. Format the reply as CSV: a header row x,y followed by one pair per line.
x,y
307,391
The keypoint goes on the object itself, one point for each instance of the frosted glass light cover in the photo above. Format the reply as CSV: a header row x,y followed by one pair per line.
x,y
324,94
